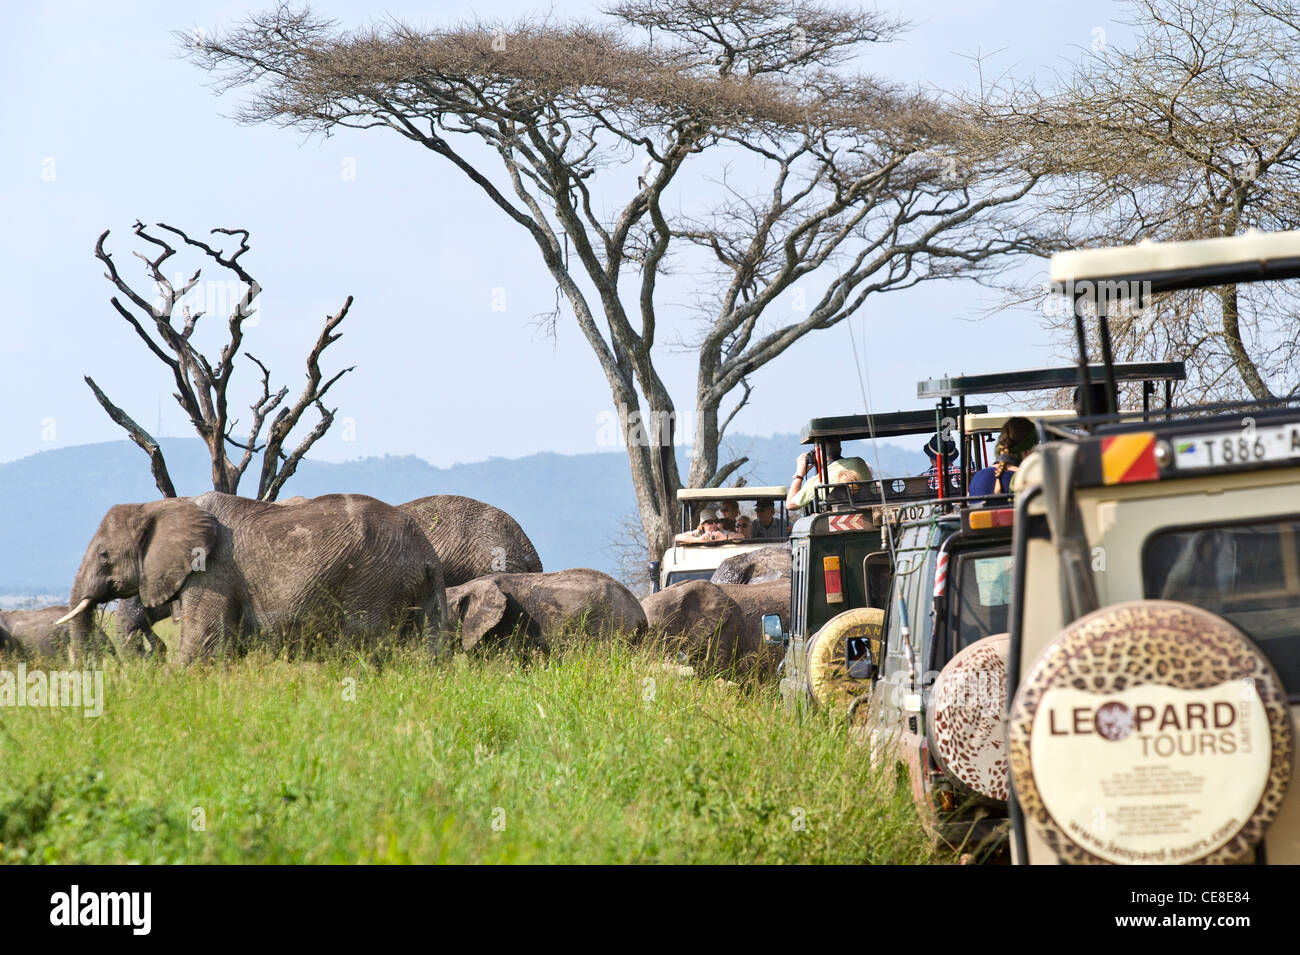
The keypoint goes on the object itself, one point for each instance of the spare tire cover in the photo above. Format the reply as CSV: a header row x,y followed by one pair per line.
x,y
1150,732
828,676
968,735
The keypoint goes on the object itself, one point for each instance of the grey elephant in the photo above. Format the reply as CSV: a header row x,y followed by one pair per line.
x,y
472,538
533,607
37,633
134,627
755,566
43,633
719,626
755,600
342,563
697,620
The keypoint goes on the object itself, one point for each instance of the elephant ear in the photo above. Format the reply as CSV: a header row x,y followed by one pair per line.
x,y
481,611
177,540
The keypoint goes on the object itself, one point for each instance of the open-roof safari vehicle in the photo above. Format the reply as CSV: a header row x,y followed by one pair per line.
x,y
936,706
841,565
698,560
1155,616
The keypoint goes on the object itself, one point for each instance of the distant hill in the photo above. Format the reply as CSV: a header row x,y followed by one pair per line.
x,y
571,505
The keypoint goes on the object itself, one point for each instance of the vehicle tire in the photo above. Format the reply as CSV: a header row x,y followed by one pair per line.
x,y
828,678
966,724
1150,731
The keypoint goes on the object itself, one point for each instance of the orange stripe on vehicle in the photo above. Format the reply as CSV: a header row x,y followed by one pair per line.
x,y
1129,457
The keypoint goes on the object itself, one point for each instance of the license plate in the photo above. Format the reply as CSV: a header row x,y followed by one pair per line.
x,y
1247,446
899,512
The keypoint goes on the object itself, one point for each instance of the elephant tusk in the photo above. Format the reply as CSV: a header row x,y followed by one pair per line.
x,y
85,602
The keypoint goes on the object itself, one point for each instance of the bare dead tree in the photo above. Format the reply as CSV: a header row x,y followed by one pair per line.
x,y
1191,131
202,385
851,187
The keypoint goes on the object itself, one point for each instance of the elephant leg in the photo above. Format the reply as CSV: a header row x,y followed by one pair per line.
x,y
436,624
206,624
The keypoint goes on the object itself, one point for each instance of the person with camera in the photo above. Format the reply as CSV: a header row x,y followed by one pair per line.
x,y
841,470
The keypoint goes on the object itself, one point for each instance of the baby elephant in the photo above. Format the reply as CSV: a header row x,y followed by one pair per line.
x,y
533,607
342,564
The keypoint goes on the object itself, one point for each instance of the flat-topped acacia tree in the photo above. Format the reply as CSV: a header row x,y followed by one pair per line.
x,y
851,186
1188,130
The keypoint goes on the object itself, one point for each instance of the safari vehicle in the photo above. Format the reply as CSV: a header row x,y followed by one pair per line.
x,y
1155,617
698,560
841,559
936,708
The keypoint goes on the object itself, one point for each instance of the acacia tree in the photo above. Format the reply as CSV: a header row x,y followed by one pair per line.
x,y
1190,131
202,384
844,185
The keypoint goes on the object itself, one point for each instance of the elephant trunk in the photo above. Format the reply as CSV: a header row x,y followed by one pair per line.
x,y
80,621
90,588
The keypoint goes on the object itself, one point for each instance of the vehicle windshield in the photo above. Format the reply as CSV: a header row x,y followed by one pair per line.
x,y
678,577
738,521
1247,574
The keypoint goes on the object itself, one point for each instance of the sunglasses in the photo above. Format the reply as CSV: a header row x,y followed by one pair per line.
x,y
711,520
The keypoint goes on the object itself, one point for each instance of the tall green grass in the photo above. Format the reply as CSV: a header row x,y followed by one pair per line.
x,y
597,753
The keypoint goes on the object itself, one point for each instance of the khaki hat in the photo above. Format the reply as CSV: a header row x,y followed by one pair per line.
x,y
708,514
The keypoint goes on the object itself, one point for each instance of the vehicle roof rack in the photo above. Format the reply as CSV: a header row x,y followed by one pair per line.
x,y
1043,379
1150,267
1135,272
731,493
996,420
894,424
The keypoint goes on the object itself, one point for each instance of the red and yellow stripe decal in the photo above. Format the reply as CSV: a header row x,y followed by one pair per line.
x,y
1129,457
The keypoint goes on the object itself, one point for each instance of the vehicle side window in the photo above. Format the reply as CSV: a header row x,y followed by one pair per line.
x,y
799,587
980,597
877,580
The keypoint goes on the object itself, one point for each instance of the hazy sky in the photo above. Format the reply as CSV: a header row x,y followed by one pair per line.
x,y
104,124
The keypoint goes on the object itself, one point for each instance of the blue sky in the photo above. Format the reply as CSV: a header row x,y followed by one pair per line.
x,y
104,124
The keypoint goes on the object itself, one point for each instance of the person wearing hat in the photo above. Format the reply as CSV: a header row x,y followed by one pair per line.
x,y
840,471
948,448
764,525
710,529
1017,439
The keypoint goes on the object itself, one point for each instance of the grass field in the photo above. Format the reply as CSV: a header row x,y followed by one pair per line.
x,y
595,754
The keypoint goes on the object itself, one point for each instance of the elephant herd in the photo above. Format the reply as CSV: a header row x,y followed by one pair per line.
x,y
347,567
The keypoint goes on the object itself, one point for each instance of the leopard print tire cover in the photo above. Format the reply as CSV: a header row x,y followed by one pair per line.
x,y
968,735
1150,732
828,676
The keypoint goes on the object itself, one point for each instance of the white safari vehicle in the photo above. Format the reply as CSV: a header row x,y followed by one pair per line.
x,y
698,560
1154,657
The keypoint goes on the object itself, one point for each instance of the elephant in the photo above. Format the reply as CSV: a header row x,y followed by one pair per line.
x,y
472,538
755,601
755,566
38,633
134,626
494,607
342,563
41,632
698,620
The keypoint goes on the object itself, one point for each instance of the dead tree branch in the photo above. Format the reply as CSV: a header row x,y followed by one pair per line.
x,y
202,386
